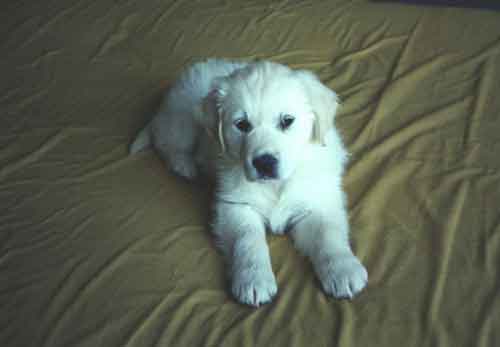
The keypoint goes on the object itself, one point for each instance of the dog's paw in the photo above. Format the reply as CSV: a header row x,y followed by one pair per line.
x,y
185,167
342,276
254,286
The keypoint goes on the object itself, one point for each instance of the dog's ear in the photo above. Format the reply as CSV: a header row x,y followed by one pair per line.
x,y
213,113
324,103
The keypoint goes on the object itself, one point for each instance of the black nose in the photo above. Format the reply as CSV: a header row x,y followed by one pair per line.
x,y
266,165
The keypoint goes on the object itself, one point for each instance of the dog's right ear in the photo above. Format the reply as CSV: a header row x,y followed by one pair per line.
x,y
213,111
323,101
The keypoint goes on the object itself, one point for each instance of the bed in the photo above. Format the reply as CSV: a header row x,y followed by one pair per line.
x,y
99,248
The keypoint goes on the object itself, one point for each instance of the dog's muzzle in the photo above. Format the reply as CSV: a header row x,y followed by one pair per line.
x,y
266,166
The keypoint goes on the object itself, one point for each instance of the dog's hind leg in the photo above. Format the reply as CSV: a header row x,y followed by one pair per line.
x,y
175,139
182,164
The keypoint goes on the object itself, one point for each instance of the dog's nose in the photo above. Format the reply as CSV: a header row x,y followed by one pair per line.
x,y
266,165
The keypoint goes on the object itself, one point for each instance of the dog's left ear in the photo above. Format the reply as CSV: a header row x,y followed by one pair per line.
x,y
212,115
323,101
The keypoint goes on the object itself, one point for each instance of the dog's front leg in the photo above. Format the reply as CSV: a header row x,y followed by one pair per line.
x,y
241,235
323,237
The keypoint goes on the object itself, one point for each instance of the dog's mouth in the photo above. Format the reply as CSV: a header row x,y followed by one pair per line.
x,y
268,175
267,178
254,175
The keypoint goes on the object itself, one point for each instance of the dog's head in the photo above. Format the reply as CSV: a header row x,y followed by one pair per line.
x,y
265,115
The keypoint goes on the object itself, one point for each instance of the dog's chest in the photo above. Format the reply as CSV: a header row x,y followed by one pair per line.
x,y
281,211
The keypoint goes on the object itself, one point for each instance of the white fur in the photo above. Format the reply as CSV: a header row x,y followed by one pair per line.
x,y
195,133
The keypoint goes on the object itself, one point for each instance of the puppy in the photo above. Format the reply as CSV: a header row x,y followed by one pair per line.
x,y
267,134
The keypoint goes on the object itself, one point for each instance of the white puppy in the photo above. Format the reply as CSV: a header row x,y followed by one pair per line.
x,y
267,134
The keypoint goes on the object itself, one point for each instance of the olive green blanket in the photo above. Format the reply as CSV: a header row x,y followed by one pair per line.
x,y
102,249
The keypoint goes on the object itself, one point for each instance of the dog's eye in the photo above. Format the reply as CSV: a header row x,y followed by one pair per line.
x,y
286,121
243,125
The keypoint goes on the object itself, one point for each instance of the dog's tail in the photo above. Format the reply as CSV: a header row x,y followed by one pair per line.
x,y
142,141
